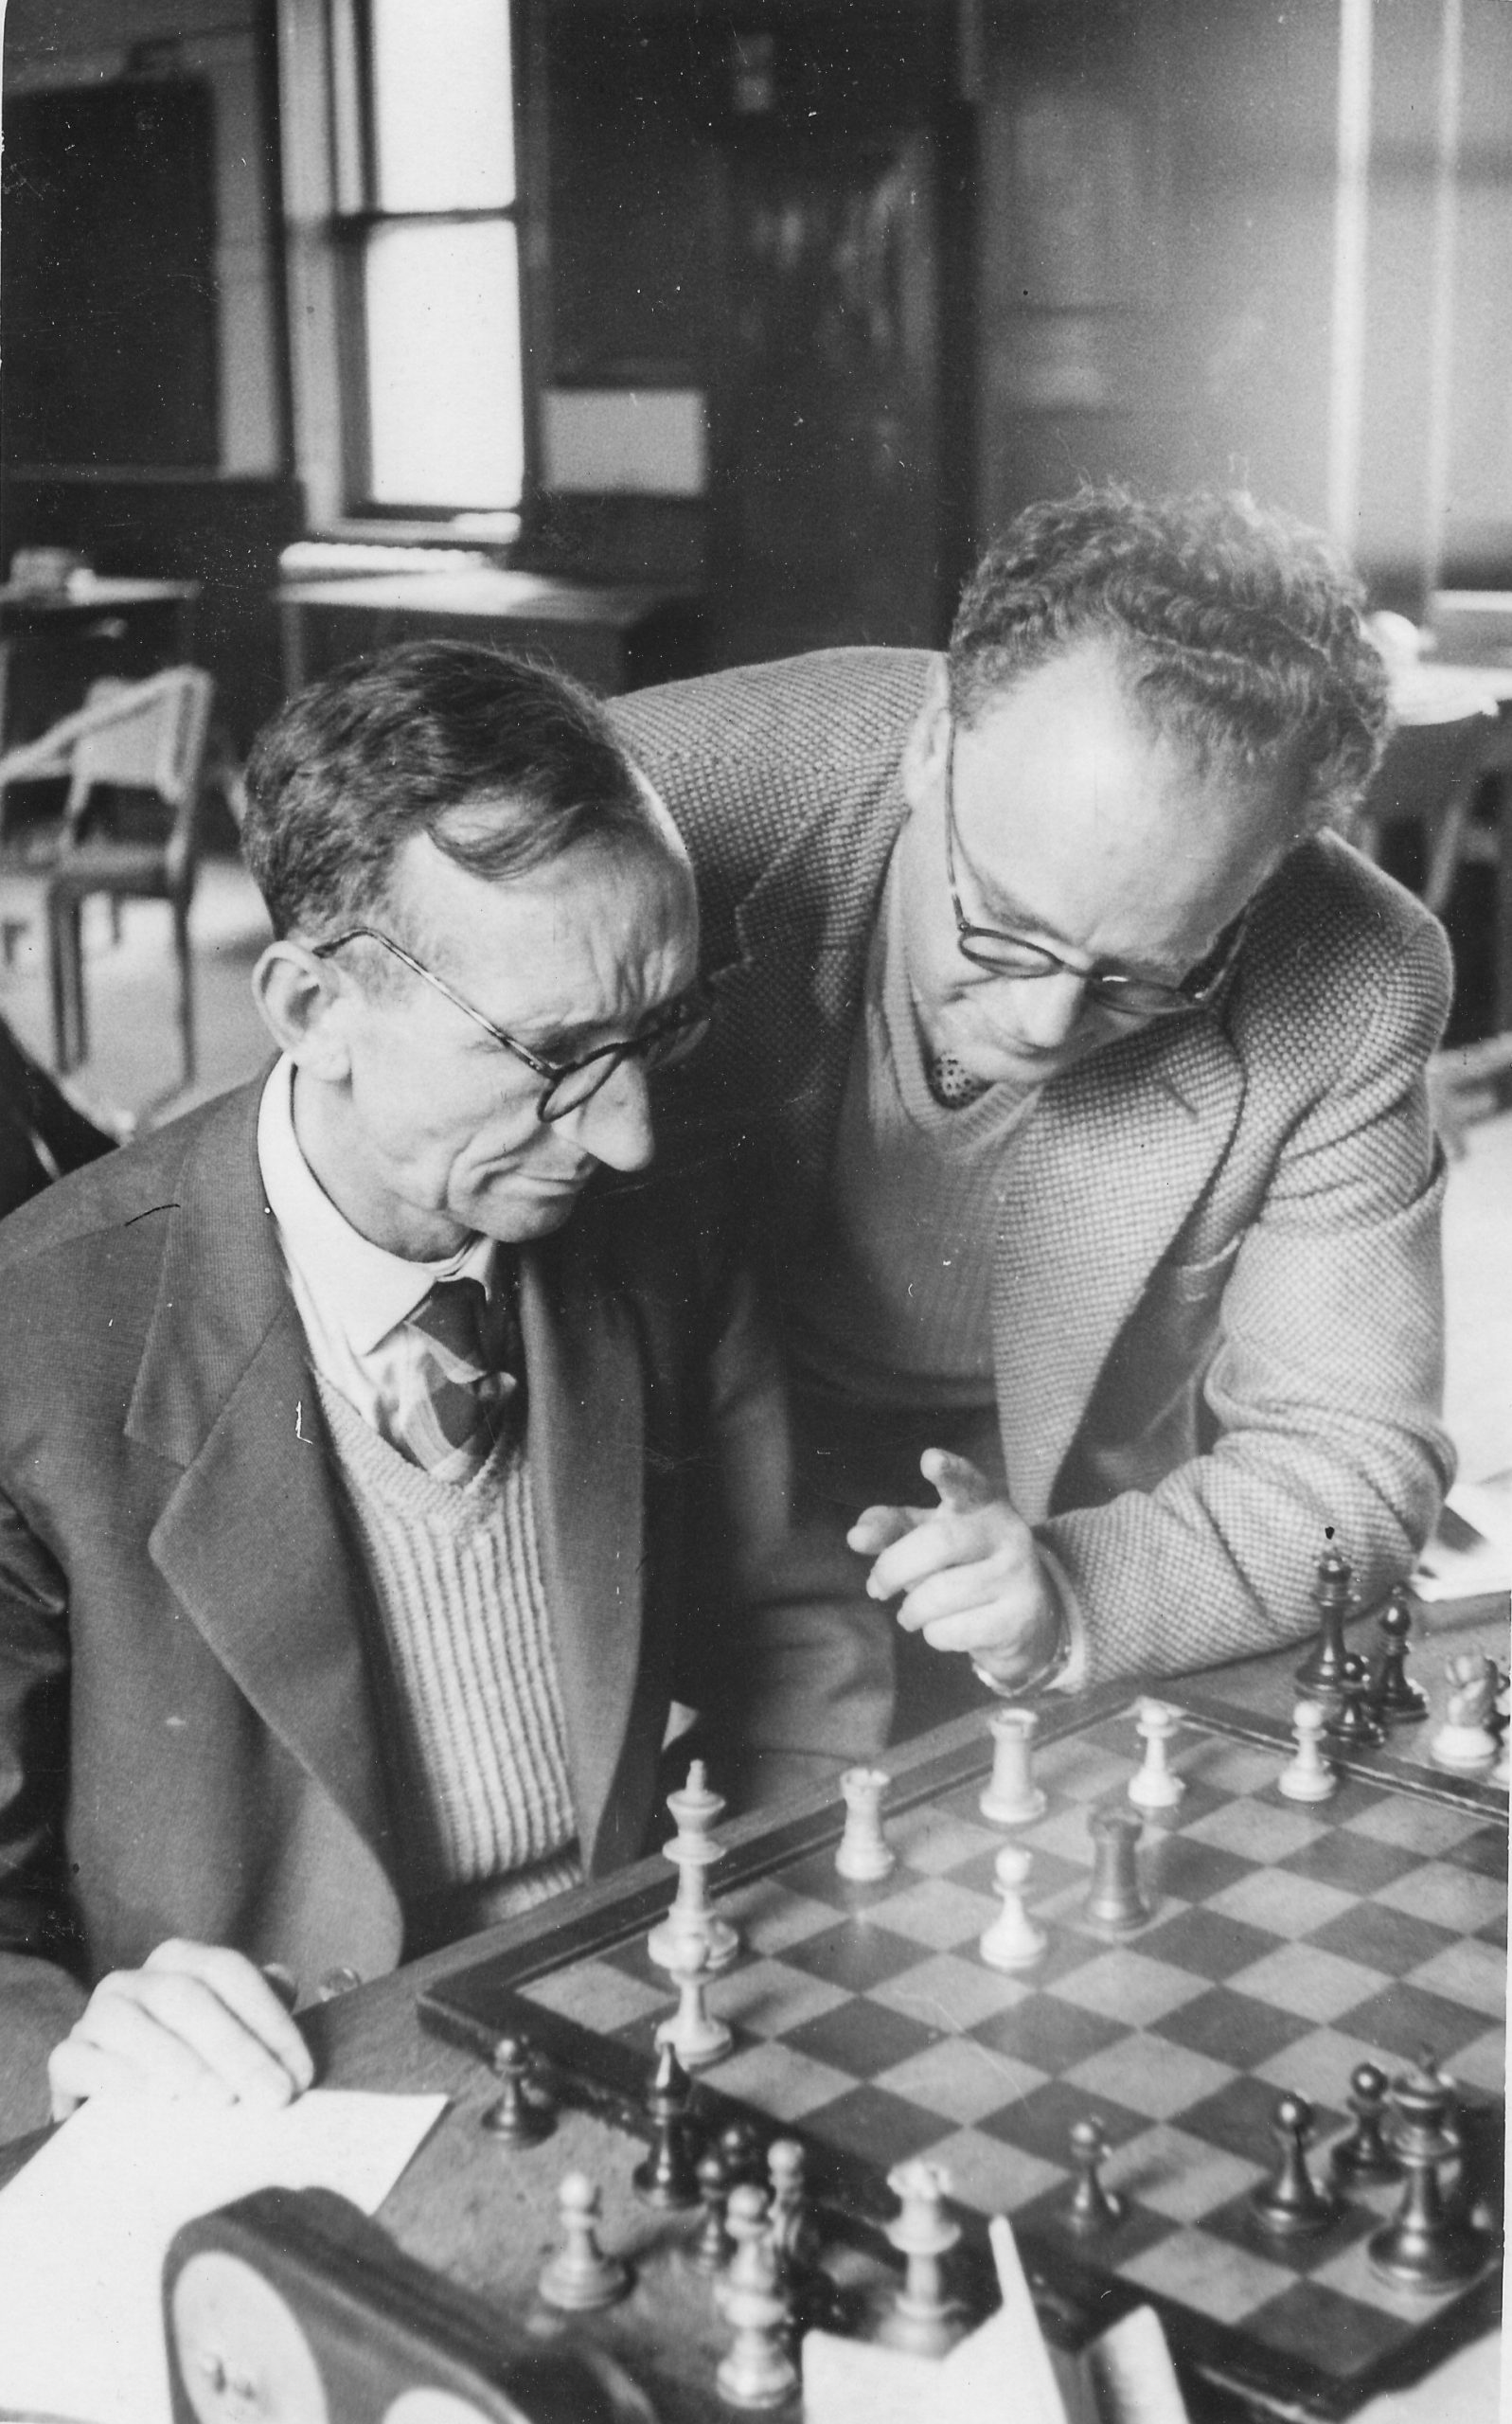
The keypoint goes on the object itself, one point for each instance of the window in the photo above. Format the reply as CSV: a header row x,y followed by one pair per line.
x,y
423,224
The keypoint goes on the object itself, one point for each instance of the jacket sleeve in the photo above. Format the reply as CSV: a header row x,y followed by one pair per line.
x,y
40,1998
788,1667
1322,1397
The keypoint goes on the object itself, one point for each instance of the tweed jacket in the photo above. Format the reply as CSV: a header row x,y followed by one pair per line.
x,y
188,1742
1217,1296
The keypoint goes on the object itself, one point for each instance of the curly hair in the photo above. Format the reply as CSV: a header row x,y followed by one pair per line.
x,y
1237,630
505,764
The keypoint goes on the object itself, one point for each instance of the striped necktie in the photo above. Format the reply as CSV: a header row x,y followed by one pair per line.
x,y
467,1387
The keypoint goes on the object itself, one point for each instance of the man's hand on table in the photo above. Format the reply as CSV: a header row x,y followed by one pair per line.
x,y
196,2021
970,1570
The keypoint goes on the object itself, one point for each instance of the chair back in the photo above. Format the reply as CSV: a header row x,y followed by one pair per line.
x,y
152,736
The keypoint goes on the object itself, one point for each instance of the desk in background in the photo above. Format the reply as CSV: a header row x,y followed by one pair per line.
x,y
611,638
56,642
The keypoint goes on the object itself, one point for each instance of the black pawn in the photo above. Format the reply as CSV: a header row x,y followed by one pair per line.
x,y
1321,1672
1350,1725
1115,1905
515,2119
1363,2160
1092,2209
1395,1698
711,2247
1290,2204
744,2150
1425,2247
666,2178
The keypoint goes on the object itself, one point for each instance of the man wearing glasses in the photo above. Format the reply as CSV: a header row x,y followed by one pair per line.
x,y
372,1483
1076,1072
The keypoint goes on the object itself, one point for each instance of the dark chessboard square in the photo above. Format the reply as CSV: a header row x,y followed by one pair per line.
x,y
853,1955
1235,2222
1238,2118
1186,1867
1051,1874
1051,2035
1407,2020
1206,1944
1484,1851
633,1959
1494,1931
1354,1861
1136,2231
861,2037
1234,2028
1040,2122
1343,2335
816,1876
1381,1939
881,2129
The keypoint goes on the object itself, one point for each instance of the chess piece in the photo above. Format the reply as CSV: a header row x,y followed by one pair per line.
x,y
580,2277
695,1810
1424,2246
1321,1672
758,2371
666,2178
923,2318
1092,2209
1348,1720
708,2250
1363,2160
1153,1786
1115,1905
516,2118
1012,1941
693,2033
1290,2204
1012,1798
743,2152
1309,1776
1467,1739
788,2217
1395,1698
865,1856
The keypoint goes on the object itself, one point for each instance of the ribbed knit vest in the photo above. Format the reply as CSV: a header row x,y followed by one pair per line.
x,y
472,1700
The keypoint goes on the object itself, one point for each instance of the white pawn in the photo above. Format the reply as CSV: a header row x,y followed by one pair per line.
x,y
1013,1941
864,1855
580,2277
1012,1798
1309,1776
1153,1787
693,2033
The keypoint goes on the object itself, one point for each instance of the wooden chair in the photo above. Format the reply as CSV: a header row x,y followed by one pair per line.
x,y
144,743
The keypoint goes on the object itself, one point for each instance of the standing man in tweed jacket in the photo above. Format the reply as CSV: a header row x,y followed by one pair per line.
x,y
1076,1072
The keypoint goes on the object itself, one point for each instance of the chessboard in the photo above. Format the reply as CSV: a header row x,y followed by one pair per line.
x,y
1285,1945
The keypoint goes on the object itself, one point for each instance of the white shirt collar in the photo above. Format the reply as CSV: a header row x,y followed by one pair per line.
x,y
360,1287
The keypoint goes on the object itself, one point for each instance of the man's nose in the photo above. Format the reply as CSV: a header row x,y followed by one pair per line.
x,y
1047,1007
614,1125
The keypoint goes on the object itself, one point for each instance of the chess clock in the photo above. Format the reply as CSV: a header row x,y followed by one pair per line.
x,y
291,2308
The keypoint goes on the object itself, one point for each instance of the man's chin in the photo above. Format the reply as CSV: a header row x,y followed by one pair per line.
x,y
514,1214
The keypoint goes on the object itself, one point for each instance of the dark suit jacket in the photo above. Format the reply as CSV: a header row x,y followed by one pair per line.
x,y
1216,1303
41,1135
188,1741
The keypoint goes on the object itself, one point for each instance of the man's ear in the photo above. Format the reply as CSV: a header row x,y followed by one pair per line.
x,y
305,1004
926,749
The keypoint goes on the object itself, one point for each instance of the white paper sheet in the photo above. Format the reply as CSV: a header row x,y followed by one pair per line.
x,y
84,2228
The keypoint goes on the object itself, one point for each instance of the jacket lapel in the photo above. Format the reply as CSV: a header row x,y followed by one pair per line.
x,y
586,1445
1076,1250
250,1540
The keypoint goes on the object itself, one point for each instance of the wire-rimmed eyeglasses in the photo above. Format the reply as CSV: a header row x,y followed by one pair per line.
x,y
1008,955
568,1084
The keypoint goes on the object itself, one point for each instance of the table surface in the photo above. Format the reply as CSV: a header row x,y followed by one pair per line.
x,y
485,591
86,594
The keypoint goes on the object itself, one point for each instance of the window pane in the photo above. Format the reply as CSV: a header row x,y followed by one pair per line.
x,y
443,364
441,109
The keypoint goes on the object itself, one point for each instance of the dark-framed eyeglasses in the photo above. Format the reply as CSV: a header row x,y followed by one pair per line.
x,y
1007,954
567,1085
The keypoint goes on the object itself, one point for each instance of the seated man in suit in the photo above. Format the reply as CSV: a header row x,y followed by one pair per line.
x,y
1077,1071
372,1483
